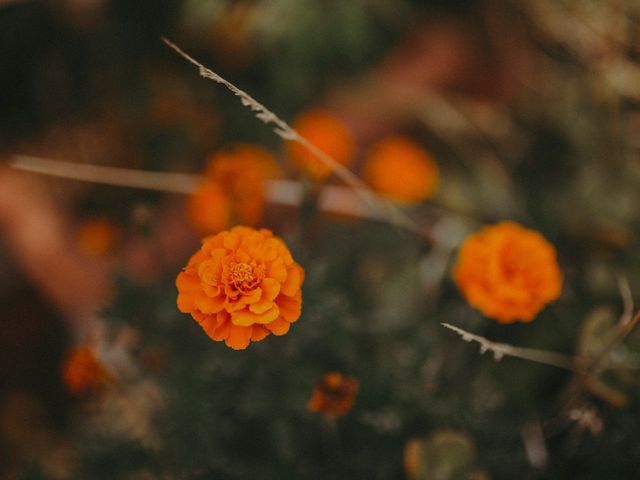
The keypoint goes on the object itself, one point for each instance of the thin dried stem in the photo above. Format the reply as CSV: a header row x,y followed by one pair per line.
x,y
381,207
501,350
332,198
121,177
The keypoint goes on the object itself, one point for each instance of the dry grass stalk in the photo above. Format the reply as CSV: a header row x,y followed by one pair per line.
x,y
381,208
501,350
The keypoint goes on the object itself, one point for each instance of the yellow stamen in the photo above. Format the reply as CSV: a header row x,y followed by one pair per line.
x,y
241,273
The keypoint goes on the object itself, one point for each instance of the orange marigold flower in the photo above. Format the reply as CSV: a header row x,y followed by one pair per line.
x,y
326,132
97,237
508,272
334,395
209,208
401,169
233,189
84,373
242,285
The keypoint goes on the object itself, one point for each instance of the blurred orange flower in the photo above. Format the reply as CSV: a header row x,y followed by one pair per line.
x,y
242,285
334,395
83,372
329,134
508,272
209,207
97,236
401,169
233,189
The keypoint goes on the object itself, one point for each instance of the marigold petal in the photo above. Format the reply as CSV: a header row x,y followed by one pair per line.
x,y
241,256
207,304
187,282
258,332
210,271
270,290
232,305
290,307
239,337
261,250
196,258
231,240
278,327
186,303
293,281
251,298
282,251
245,317
217,254
221,332
209,324
277,270
210,290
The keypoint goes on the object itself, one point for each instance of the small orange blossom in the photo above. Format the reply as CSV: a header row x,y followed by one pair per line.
x,y
508,272
97,236
399,168
334,395
242,285
209,207
329,134
83,372
233,188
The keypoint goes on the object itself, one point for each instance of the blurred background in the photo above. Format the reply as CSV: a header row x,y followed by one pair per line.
x,y
527,111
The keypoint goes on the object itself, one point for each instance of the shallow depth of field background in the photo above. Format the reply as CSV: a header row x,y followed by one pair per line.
x,y
531,113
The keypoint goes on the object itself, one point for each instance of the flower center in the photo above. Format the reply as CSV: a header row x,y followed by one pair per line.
x,y
241,273
242,278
